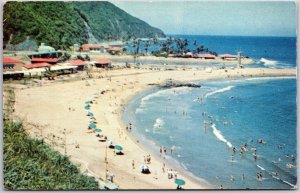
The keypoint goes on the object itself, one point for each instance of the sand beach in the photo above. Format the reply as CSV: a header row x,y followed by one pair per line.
x,y
55,111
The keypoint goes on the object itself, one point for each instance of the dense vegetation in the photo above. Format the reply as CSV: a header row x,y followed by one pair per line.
x,y
29,164
109,22
61,24
54,23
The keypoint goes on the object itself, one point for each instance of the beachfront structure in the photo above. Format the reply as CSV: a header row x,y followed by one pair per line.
x,y
47,60
80,64
37,65
12,64
188,55
103,63
55,54
228,57
44,48
92,47
204,56
114,50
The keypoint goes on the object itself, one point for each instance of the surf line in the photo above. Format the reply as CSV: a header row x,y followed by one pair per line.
x,y
219,91
284,181
219,135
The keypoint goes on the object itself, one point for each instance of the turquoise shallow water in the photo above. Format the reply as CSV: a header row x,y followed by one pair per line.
x,y
237,112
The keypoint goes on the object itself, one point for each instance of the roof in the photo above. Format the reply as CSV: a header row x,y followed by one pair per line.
x,y
62,67
114,49
227,56
87,46
77,62
8,60
204,55
37,65
54,60
103,61
189,54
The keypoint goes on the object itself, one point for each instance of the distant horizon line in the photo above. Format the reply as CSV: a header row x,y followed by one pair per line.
x,y
274,36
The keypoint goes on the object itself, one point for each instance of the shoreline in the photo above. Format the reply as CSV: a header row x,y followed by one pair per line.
x,y
29,100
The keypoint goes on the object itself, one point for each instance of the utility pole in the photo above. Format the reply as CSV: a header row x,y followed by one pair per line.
x,y
239,60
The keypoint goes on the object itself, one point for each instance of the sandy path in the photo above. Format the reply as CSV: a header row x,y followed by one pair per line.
x,y
60,106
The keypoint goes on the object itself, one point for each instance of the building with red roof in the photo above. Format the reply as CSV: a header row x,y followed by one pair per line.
x,y
12,64
79,63
204,56
114,50
37,65
47,60
91,47
103,63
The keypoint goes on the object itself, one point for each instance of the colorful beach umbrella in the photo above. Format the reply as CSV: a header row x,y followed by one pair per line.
x,y
97,130
179,182
90,114
118,147
92,125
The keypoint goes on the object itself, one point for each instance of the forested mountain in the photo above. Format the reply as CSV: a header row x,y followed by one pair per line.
x,y
62,24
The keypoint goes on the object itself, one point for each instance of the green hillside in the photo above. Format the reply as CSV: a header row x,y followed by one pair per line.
x,y
54,23
61,24
109,22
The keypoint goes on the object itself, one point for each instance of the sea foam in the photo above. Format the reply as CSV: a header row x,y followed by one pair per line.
x,y
219,135
219,91
268,62
158,123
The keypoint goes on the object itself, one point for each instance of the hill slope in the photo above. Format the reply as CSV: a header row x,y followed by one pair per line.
x,y
62,24
108,21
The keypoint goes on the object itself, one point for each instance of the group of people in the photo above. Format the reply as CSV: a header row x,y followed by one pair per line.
x,y
129,127
259,176
172,174
163,150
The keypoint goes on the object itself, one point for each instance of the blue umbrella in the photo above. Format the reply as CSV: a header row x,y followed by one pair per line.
x,y
92,125
97,130
179,182
90,114
118,147
87,107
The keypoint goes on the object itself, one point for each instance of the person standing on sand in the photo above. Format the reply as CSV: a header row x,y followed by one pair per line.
x,y
132,164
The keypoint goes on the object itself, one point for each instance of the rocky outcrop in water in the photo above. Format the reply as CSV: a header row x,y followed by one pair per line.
x,y
171,84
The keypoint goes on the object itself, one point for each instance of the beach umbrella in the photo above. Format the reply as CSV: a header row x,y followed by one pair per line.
x,y
92,117
179,182
97,130
90,114
87,107
92,125
118,147
88,102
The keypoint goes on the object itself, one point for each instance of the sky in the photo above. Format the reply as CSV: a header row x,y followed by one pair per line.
x,y
216,18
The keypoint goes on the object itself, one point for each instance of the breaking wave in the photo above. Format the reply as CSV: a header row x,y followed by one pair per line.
x,y
268,62
158,123
219,135
219,91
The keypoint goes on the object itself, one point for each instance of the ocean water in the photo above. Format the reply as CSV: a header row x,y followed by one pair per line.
x,y
236,112
268,52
